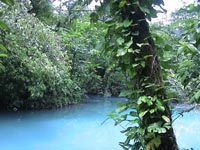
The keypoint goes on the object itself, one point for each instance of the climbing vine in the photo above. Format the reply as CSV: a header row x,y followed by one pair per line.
x,y
129,41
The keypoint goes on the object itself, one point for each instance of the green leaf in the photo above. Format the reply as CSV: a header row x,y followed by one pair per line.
x,y
128,129
121,109
136,3
126,93
121,52
8,2
191,7
3,55
3,48
120,41
162,130
142,99
142,63
192,48
142,44
152,111
166,118
136,120
148,56
142,114
153,144
160,107
130,50
197,95
187,46
3,25
122,3
2,67
134,114
134,65
128,44
146,10
112,115
127,23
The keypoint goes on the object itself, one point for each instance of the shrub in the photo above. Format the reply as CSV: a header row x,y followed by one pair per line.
x,y
37,71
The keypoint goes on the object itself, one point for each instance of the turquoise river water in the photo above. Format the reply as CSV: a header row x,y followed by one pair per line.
x,y
79,127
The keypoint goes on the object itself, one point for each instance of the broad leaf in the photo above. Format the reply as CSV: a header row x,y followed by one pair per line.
x,y
127,23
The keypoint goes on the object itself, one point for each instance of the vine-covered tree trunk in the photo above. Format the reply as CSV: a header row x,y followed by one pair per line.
x,y
149,79
129,39
151,72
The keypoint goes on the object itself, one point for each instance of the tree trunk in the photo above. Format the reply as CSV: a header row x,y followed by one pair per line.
x,y
150,73
129,39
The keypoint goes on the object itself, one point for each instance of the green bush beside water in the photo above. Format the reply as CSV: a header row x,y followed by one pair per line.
x,y
47,67
36,72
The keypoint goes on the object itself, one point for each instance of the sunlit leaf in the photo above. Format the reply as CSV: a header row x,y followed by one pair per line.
x,y
166,119
3,55
134,65
142,114
121,52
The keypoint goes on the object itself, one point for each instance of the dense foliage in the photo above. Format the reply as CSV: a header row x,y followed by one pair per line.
x,y
188,52
91,68
178,49
49,65
51,56
179,53
3,29
129,41
37,71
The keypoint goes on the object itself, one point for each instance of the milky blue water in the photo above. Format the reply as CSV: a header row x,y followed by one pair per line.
x,y
187,129
79,127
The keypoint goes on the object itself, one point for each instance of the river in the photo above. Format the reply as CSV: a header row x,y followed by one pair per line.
x,y
79,127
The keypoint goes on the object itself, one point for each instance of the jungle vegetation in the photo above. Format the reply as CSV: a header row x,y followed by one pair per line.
x,y
52,56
